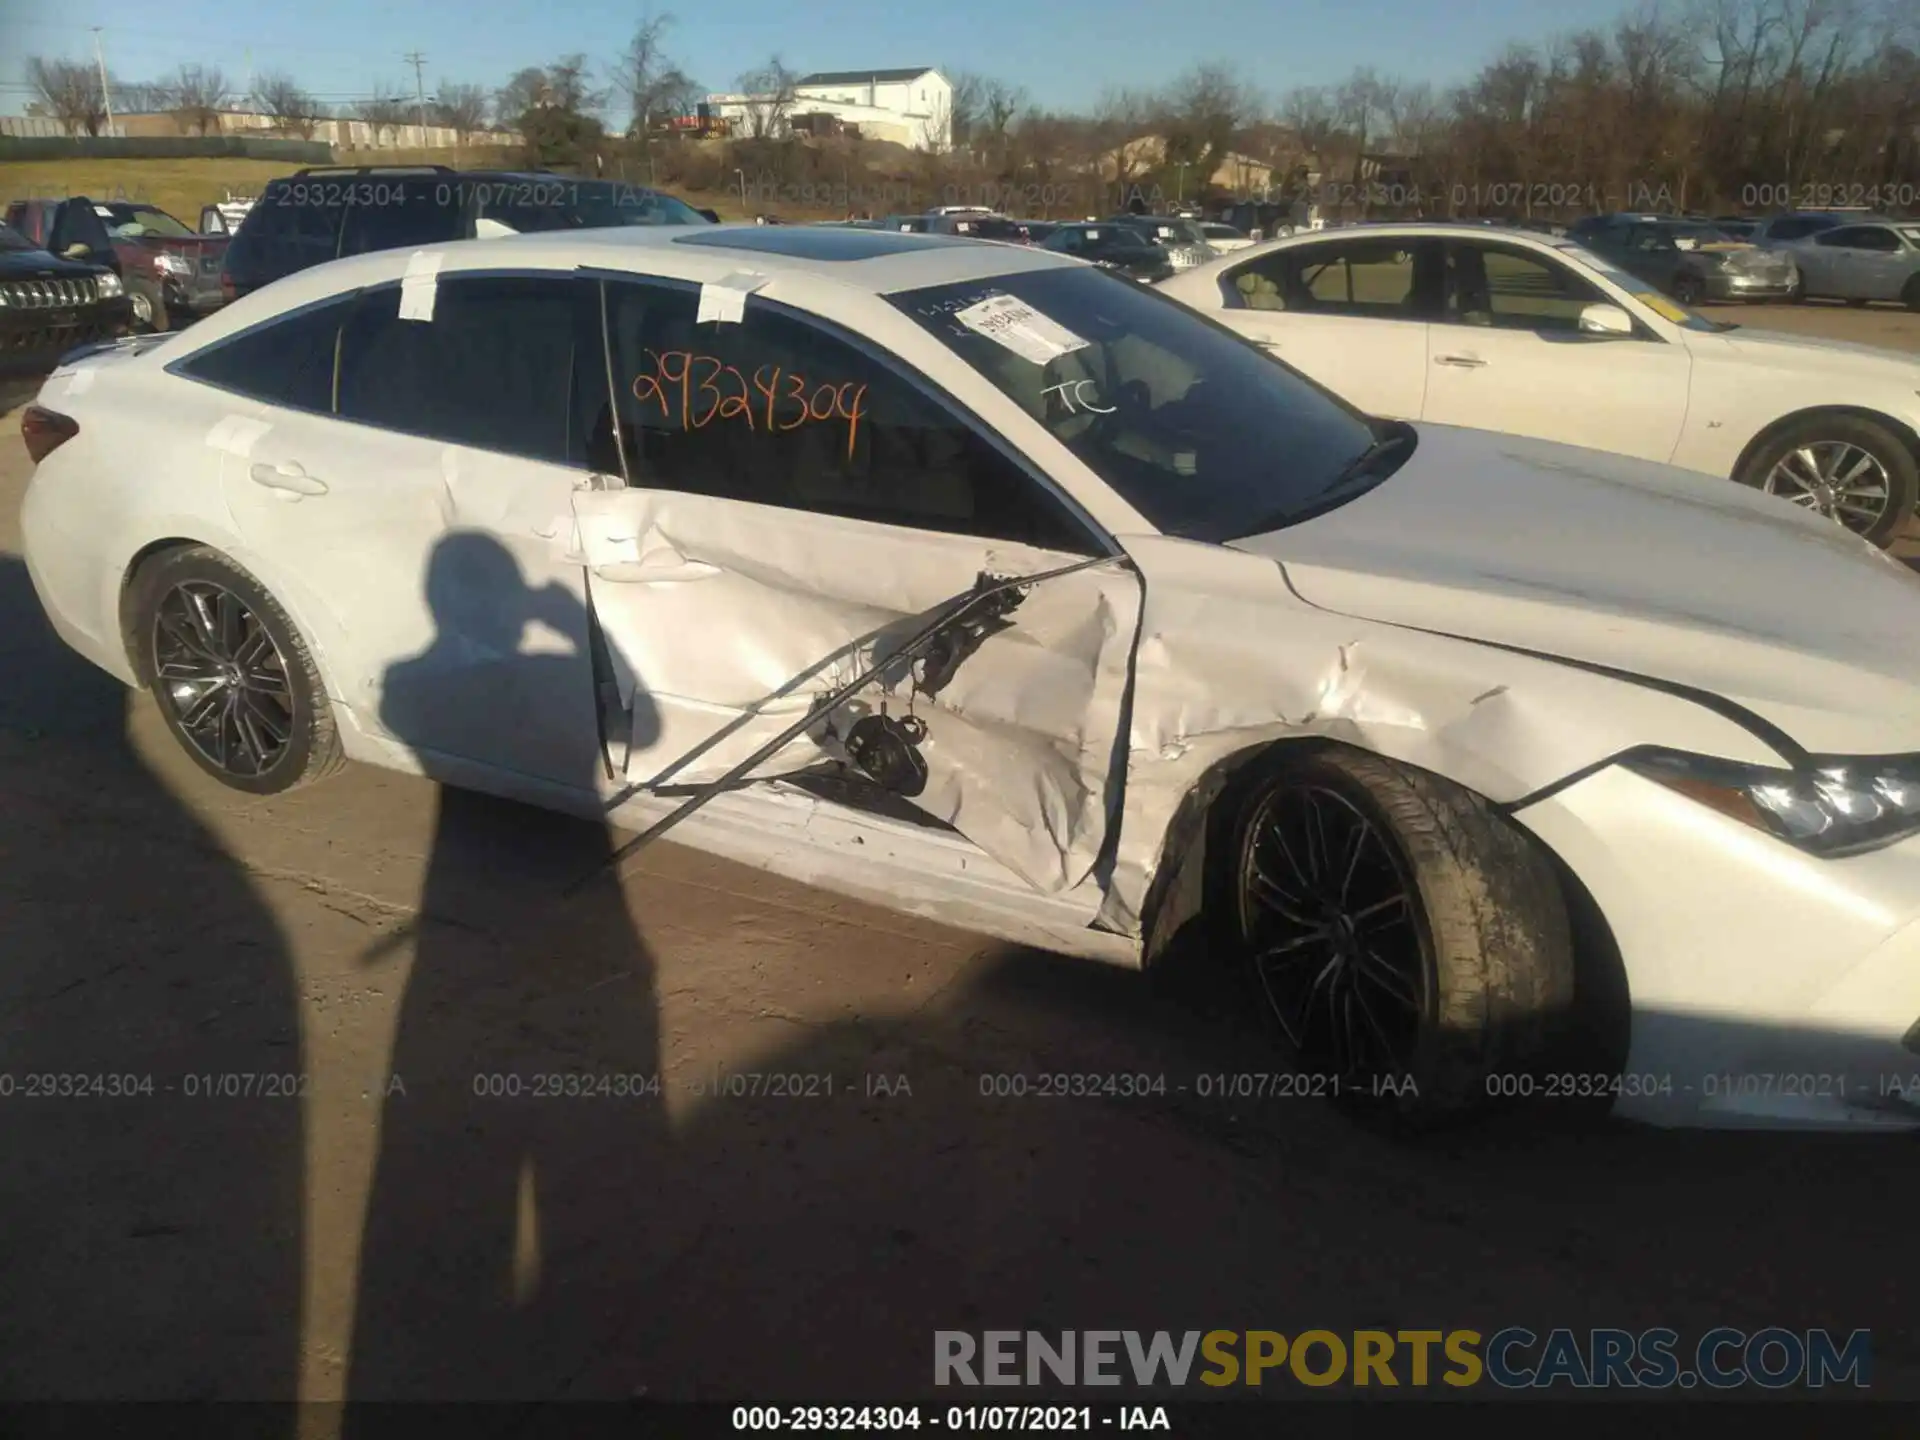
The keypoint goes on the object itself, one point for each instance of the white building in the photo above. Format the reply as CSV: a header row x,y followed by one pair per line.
x,y
911,107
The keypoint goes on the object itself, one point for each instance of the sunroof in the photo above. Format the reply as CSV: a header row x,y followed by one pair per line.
x,y
816,242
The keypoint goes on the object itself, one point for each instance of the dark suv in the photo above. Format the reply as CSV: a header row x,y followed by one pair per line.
x,y
322,214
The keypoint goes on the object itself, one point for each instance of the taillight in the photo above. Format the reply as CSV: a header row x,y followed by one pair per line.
x,y
46,431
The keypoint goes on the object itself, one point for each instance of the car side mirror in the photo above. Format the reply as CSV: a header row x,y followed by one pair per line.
x,y
1605,320
712,216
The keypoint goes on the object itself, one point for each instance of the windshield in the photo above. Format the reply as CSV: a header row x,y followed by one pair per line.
x,y
1666,308
130,222
12,240
1688,237
1202,432
582,205
1912,232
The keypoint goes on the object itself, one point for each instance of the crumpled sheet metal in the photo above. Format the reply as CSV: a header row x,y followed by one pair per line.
x,y
1230,659
774,607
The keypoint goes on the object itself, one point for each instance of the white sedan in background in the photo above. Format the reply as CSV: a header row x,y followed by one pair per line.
x,y
971,580
1872,260
1532,335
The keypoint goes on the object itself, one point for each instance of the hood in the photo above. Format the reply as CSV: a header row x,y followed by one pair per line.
x,y
1657,572
1833,356
43,265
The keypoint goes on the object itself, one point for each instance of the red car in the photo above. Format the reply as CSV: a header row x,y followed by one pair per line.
x,y
171,272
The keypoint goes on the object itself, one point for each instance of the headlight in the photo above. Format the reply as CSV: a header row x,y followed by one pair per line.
x,y
172,265
1837,805
109,284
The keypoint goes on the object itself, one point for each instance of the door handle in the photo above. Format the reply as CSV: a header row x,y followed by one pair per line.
x,y
288,478
1465,362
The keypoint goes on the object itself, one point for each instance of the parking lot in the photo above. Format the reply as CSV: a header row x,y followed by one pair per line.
x,y
386,964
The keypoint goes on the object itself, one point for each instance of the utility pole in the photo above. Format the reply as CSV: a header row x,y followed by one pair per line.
x,y
100,62
416,60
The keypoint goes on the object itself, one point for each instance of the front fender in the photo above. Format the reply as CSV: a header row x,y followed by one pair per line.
x,y
1231,662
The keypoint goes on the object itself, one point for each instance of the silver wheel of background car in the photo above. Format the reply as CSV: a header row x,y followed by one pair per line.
x,y
222,677
142,307
1834,478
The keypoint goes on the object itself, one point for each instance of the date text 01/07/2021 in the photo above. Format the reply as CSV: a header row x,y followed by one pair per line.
x,y
963,1419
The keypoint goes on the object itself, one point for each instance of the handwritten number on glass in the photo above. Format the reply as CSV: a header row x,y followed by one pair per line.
x,y
703,388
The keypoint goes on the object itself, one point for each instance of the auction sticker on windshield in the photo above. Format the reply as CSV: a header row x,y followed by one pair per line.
x,y
1020,328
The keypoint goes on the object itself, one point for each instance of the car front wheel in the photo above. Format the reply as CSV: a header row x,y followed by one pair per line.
x,y
149,305
1855,471
1411,946
1689,290
233,679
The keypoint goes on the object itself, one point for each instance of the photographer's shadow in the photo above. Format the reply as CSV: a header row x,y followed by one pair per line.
x,y
485,1239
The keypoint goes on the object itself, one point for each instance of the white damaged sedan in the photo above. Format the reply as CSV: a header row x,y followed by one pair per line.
x,y
972,581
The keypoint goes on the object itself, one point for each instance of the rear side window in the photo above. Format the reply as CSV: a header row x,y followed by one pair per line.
x,y
289,361
494,368
1799,229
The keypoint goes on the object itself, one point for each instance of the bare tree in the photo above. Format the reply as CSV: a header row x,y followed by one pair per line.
x,y
195,96
70,90
137,97
1121,121
769,98
656,88
570,86
383,112
461,108
293,110
526,90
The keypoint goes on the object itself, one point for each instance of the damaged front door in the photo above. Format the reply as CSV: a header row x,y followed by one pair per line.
x,y
796,511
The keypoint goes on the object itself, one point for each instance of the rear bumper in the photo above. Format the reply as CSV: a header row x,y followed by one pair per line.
x,y
32,342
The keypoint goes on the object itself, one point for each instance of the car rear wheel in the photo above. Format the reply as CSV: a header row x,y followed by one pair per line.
x,y
235,683
1411,947
1910,297
1855,471
149,305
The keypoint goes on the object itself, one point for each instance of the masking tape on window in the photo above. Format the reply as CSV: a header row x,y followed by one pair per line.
x,y
418,285
1663,307
725,302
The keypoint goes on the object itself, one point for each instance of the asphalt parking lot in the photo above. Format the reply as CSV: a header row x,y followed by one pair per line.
x,y
386,1231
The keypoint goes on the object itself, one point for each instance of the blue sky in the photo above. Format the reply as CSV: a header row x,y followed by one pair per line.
x,y
1063,51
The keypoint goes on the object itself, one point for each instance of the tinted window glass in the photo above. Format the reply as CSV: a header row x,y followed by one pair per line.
x,y
776,411
494,368
1202,432
398,216
286,362
287,231
1799,229
566,204
1514,290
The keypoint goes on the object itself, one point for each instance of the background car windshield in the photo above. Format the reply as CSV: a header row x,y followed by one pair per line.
x,y
985,229
1689,235
1203,433
12,239
128,222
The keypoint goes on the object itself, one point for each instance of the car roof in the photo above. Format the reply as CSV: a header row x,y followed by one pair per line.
x,y
874,262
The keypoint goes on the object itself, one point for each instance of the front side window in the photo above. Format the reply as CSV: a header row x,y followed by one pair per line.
x,y
130,222
567,204
775,410
494,368
1511,289
289,361
1650,240
1203,433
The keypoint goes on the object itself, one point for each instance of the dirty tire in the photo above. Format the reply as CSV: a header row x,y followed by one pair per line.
x,y
146,297
1689,290
1487,930
1910,296
1884,444
311,750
